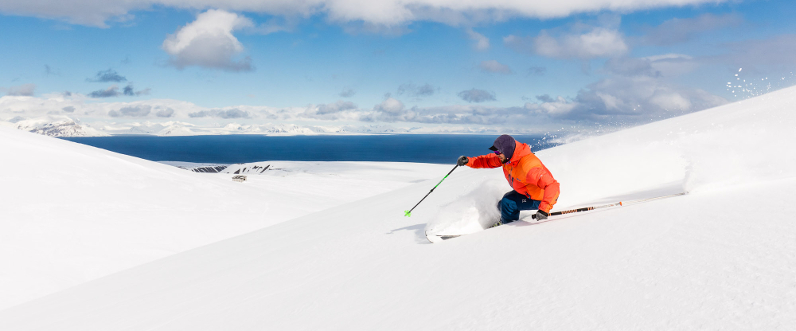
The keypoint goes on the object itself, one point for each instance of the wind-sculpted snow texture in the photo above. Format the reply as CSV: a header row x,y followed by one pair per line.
x,y
719,258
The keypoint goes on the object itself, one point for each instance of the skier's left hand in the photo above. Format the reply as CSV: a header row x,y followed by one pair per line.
x,y
540,215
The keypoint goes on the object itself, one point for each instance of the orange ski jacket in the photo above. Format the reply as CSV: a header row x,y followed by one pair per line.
x,y
526,175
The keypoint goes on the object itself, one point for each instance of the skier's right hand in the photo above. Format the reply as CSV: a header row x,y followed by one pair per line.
x,y
463,160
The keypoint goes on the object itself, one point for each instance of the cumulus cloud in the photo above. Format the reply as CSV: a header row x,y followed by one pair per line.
x,y
383,12
642,97
481,42
666,65
634,92
348,93
477,96
106,76
129,91
68,109
390,106
335,107
597,42
495,66
389,110
208,42
364,28
225,114
168,112
680,30
26,90
631,67
774,52
413,90
112,91
131,111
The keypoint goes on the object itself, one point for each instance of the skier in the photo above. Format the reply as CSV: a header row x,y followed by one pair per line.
x,y
534,185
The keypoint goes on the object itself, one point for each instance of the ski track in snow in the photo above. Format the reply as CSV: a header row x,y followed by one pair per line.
x,y
720,258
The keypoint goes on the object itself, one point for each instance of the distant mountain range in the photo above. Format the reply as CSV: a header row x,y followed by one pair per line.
x,y
64,126
56,126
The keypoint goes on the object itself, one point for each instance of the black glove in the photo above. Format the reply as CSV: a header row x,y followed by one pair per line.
x,y
540,215
463,160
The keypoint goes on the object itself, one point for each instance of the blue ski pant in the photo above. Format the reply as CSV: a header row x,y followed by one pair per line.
x,y
512,203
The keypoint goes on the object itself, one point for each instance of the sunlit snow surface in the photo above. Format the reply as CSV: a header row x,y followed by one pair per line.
x,y
73,213
721,257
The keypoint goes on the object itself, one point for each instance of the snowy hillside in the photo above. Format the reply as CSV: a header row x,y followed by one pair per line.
x,y
720,257
72,213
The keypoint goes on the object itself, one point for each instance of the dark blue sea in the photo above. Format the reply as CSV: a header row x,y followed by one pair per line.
x,y
228,149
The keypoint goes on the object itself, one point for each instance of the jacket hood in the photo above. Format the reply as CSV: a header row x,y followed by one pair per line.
x,y
520,151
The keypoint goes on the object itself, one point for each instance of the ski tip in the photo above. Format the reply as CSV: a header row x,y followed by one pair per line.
x,y
432,238
436,238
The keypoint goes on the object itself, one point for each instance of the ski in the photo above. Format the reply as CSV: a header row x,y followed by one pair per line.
x,y
435,238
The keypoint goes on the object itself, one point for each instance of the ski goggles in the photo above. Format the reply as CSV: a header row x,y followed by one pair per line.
x,y
497,152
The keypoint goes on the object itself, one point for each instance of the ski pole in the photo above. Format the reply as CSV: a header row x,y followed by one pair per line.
x,y
408,213
620,203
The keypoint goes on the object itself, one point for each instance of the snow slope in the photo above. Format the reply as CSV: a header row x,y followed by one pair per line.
x,y
72,213
721,257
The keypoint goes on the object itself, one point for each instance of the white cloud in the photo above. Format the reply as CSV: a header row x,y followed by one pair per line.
x,y
598,42
112,91
666,65
131,111
412,90
106,76
166,112
481,42
335,107
208,42
495,66
754,54
680,30
390,106
634,99
477,96
347,93
381,12
230,113
21,90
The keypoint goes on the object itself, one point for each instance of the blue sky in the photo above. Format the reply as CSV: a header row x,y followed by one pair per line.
x,y
502,65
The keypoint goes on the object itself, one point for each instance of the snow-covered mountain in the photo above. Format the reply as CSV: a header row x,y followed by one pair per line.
x,y
63,126
719,258
56,126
